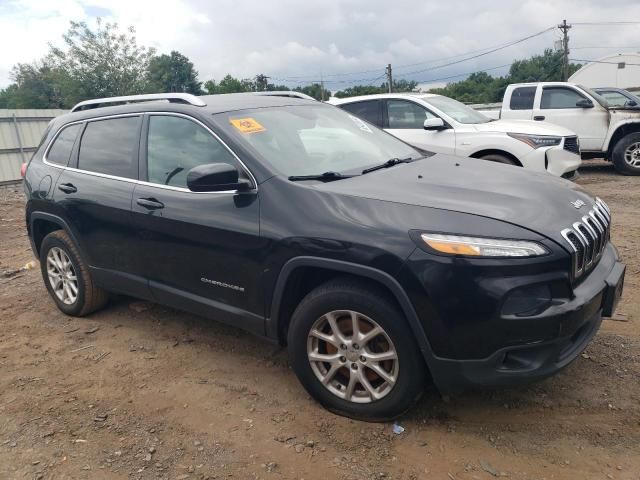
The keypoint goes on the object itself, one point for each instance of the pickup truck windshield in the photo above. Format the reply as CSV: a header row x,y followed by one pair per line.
x,y
599,98
458,111
311,139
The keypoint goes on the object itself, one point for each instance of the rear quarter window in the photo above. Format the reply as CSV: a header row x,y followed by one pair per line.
x,y
522,98
110,146
60,150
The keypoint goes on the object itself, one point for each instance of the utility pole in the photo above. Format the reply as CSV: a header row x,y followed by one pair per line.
x,y
565,49
321,88
389,77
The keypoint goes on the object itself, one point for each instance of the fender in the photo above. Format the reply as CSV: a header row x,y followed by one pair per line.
x,y
272,323
618,125
58,221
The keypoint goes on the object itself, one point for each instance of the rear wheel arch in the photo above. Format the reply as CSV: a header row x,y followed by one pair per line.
x,y
289,291
41,224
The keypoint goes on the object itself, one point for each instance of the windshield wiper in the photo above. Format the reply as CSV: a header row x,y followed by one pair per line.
x,y
326,177
389,163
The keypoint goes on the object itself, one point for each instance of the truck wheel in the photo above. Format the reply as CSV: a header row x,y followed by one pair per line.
x,y
626,154
496,157
67,277
352,350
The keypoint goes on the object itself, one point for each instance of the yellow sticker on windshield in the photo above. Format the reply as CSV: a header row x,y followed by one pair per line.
x,y
247,125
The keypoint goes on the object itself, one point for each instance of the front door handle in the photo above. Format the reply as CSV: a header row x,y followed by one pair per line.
x,y
67,188
539,118
150,203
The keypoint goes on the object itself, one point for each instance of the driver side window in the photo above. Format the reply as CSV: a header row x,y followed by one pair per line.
x,y
407,115
175,145
559,97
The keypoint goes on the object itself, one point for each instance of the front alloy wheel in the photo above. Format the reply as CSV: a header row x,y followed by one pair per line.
x,y
632,155
352,356
353,350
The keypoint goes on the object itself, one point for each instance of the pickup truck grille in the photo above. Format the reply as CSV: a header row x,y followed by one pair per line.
x,y
572,145
588,238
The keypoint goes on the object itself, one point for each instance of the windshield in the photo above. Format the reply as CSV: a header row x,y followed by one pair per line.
x,y
598,98
458,111
313,139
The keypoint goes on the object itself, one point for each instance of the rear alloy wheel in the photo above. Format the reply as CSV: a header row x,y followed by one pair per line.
x,y
626,154
352,349
67,277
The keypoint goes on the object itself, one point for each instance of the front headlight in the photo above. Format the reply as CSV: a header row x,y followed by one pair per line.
x,y
536,141
482,247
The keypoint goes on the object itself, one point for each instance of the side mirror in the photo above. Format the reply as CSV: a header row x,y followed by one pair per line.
x,y
434,124
215,177
631,103
584,103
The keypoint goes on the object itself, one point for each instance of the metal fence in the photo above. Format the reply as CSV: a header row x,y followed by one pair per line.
x,y
20,134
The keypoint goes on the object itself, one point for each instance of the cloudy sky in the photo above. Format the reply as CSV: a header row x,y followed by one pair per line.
x,y
342,41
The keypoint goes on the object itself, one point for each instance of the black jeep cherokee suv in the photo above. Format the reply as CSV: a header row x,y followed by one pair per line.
x,y
379,267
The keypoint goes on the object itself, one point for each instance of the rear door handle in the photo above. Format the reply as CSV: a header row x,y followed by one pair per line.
x,y
539,118
67,188
150,203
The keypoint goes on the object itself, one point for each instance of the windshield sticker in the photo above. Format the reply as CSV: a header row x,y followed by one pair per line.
x,y
361,125
247,125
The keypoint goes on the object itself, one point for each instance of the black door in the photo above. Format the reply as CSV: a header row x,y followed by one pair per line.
x,y
198,250
94,194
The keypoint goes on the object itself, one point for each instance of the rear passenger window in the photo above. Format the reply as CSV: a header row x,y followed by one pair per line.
x,y
60,151
175,145
522,98
110,146
369,111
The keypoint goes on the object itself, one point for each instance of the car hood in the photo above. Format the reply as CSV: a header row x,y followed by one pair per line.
x,y
539,202
524,126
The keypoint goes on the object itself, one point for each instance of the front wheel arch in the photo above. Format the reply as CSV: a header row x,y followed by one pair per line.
x,y
483,153
276,325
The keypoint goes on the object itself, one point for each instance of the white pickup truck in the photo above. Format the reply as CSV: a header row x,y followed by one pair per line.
x,y
604,131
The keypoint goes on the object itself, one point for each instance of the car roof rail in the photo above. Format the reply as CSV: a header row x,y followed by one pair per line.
x,y
186,98
284,93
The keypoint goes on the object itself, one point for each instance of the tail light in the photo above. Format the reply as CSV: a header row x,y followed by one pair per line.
x,y
23,170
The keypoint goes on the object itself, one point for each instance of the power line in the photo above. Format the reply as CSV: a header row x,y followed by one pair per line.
x,y
481,54
484,51
593,47
431,80
605,23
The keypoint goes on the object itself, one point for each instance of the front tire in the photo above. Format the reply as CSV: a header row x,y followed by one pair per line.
x,y
67,277
352,350
626,155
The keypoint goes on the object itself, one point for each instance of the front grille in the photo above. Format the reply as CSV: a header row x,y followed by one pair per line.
x,y
572,145
588,238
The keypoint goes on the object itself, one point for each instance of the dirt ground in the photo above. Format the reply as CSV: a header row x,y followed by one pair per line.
x,y
142,391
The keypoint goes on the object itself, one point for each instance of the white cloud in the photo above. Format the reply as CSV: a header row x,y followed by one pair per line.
x,y
289,38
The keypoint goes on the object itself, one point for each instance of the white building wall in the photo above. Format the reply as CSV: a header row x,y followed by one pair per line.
x,y
622,71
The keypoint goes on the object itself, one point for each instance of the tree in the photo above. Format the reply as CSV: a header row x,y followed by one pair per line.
x,y
229,84
357,90
173,73
481,87
104,62
37,85
314,90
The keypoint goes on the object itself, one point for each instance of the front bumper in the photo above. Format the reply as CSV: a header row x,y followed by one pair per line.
x,y
561,162
563,330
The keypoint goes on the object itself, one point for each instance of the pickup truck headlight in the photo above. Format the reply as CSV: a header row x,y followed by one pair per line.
x,y
482,247
536,141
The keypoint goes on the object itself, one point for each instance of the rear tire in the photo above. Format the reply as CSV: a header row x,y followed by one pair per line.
x,y
67,277
496,157
387,370
626,154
